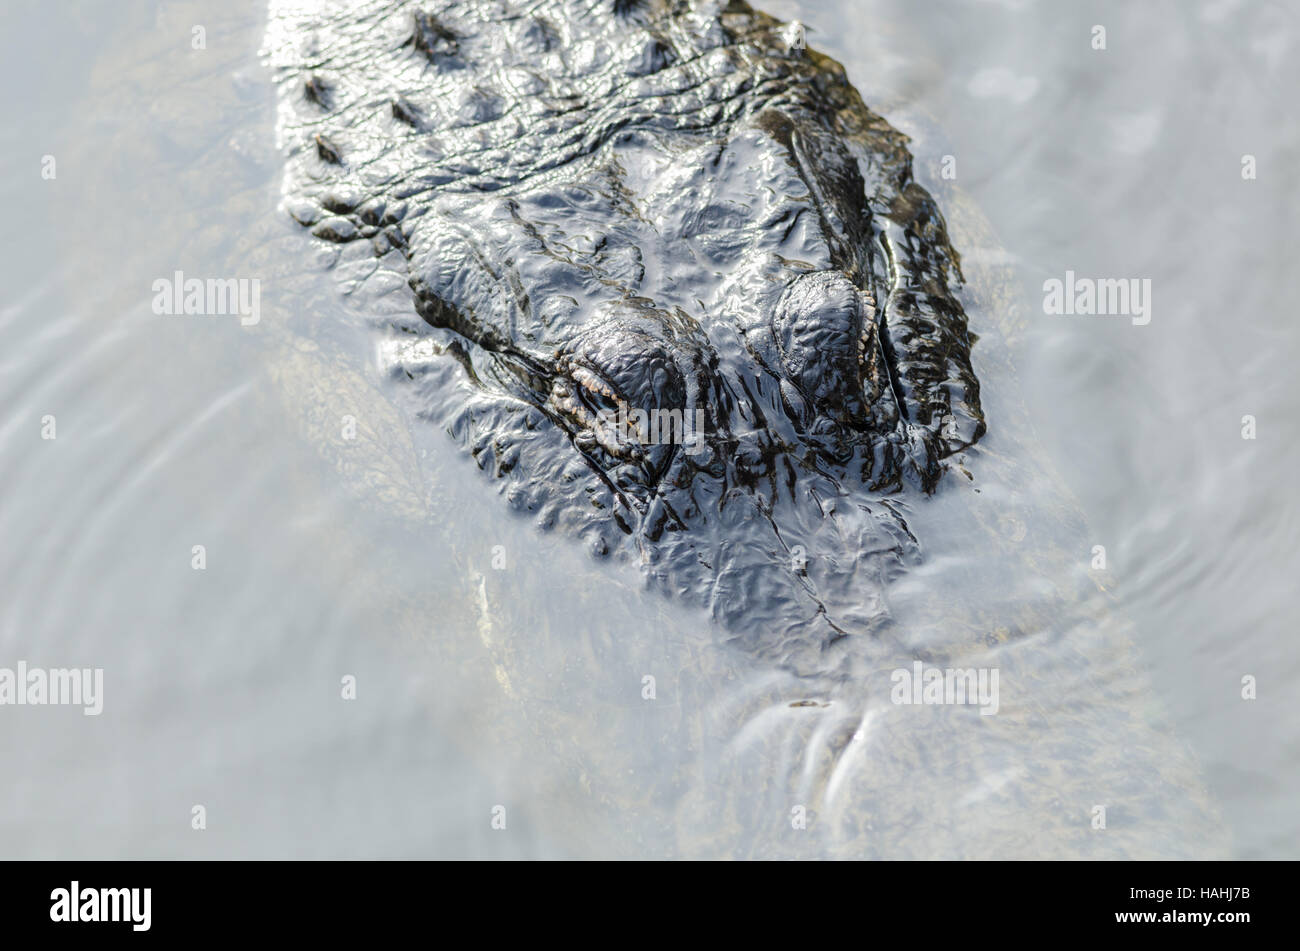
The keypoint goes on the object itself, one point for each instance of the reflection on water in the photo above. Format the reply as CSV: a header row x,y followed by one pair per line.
x,y
475,686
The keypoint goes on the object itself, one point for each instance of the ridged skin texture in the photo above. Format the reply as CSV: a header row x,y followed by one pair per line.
x,y
549,210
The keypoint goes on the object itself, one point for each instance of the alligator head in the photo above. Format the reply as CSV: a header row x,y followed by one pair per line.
x,y
663,274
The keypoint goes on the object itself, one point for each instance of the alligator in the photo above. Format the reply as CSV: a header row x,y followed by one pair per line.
x,y
657,212
674,287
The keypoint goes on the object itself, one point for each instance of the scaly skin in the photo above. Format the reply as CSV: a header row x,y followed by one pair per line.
x,y
542,209
664,206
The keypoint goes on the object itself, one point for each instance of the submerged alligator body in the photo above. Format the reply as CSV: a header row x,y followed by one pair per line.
x,y
561,219
660,270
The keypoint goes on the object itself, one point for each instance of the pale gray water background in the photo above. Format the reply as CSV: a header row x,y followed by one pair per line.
x,y
1127,163
222,686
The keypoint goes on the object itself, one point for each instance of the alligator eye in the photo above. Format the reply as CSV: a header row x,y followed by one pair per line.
x,y
590,405
620,389
595,391
825,331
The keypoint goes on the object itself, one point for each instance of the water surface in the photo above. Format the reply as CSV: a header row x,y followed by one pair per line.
x,y
223,685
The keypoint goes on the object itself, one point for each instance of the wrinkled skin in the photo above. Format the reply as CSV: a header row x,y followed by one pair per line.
x,y
661,205
545,660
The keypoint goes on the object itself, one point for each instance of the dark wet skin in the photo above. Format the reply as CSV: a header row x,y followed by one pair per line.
x,y
659,205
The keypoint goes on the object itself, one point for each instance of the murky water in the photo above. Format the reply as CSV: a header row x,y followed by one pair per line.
x,y
1128,162
223,685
